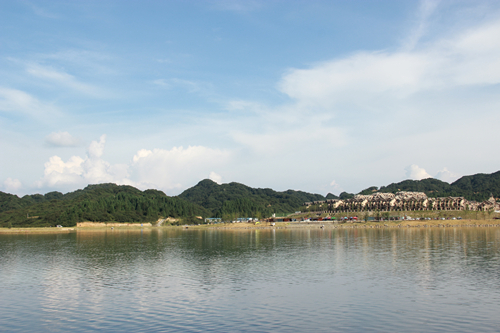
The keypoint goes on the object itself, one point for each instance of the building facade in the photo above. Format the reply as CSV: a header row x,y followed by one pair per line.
x,y
402,201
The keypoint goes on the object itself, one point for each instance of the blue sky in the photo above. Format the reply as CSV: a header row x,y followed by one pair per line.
x,y
320,96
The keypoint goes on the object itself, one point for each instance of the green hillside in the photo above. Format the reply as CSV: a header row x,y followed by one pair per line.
x,y
103,203
234,199
477,187
110,202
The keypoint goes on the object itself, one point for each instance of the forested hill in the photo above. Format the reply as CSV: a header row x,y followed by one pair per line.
x,y
238,200
477,187
110,202
103,203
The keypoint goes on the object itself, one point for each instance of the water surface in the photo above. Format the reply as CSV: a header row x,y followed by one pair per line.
x,y
333,280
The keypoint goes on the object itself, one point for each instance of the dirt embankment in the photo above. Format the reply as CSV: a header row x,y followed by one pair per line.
x,y
111,224
44,230
279,225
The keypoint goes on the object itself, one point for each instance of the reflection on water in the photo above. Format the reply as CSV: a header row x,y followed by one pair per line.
x,y
433,279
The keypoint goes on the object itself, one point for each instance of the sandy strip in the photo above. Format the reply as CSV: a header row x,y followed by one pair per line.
x,y
278,225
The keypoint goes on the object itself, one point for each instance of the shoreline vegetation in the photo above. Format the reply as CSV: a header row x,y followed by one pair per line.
x,y
261,226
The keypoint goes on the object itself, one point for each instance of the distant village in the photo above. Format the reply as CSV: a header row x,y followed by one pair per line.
x,y
401,201
380,203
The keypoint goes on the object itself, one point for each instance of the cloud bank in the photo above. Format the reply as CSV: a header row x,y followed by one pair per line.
x,y
167,170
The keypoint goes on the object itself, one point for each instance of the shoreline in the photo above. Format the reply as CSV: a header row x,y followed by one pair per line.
x,y
368,225
278,225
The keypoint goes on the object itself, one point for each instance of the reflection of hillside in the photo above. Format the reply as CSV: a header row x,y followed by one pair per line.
x,y
212,257
156,276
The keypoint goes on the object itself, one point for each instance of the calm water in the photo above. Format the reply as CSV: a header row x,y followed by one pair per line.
x,y
418,280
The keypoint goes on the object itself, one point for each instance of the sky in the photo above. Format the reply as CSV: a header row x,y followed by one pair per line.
x,y
318,96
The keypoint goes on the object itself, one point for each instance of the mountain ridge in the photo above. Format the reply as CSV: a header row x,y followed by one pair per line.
x,y
123,203
477,187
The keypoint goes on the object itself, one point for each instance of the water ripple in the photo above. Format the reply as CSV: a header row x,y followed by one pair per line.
x,y
252,281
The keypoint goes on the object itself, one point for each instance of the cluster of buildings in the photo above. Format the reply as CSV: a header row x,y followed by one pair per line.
x,y
213,220
402,201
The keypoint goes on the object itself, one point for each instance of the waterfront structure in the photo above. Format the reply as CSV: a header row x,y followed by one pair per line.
x,y
213,220
402,201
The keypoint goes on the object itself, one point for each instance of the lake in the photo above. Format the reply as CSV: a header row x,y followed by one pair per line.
x,y
285,280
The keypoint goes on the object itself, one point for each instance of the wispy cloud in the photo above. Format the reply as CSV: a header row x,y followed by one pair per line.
x,y
97,63
365,79
63,79
426,9
62,139
193,87
18,101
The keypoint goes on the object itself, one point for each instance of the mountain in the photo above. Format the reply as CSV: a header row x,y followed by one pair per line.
x,y
11,202
103,202
111,202
477,187
238,200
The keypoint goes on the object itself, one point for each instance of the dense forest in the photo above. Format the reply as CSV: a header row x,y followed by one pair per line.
x,y
103,203
113,203
237,200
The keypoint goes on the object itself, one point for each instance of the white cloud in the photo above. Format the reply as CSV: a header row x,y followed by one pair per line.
x,y
96,149
167,170
78,171
62,139
336,187
12,185
416,173
143,153
215,177
176,168
359,118
447,176
359,80
57,172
